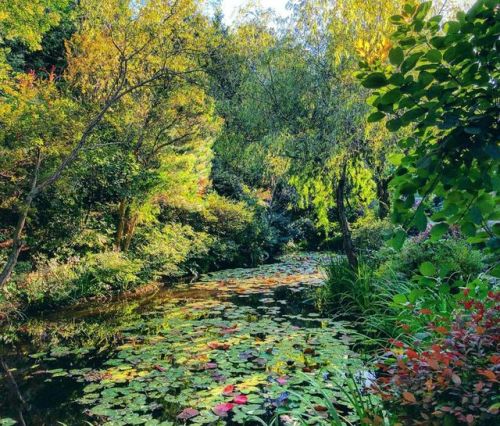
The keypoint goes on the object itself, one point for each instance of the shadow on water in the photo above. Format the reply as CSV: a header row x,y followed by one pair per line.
x,y
56,355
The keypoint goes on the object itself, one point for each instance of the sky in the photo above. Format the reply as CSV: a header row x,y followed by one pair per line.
x,y
230,7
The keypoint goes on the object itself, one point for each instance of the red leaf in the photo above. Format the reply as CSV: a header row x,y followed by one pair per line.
x,y
478,386
469,418
425,311
187,413
222,409
240,399
159,368
229,389
411,354
490,375
433,364
408,396
495,359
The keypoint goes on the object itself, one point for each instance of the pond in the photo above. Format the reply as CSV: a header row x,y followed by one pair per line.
x,y
237,347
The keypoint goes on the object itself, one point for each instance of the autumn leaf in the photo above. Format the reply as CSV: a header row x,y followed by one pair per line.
x,y
489,374
409,397
218,345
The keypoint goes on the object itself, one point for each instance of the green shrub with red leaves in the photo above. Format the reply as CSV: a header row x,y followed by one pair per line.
x,y
454,379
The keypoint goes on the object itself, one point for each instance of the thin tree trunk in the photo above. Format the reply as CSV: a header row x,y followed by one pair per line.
x,y
130,232
17,242
383,197
121,225
344,223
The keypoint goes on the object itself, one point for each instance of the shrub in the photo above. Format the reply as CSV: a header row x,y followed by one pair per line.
x,y
242,235
369,234
104,272
455,259
173,250
51,282
362,296
452,378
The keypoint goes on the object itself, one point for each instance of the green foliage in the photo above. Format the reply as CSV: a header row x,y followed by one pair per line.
x,y
369,234
443,84
55,282
451,259
104,272
173,250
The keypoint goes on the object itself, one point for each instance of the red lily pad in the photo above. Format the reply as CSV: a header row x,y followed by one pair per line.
x,y
228,390
222,409
240,399
187,414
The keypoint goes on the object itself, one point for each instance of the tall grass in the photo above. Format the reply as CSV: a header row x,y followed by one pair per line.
x,y
363,297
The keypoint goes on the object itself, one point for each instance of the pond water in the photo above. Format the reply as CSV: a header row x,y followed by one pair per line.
x,y
238,346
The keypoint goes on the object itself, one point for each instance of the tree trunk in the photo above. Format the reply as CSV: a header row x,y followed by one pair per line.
x,y
121,225
383,197
17,242
344,223
130,231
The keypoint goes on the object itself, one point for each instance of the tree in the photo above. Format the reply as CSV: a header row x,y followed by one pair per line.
x,y
119,50
443,84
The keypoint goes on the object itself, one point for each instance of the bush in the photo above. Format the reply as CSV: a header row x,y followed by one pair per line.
x,y
173,250
104,272
51,282
454,378
242,235
362,296
455,259
369,234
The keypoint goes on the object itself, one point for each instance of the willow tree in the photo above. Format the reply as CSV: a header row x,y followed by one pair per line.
x,y
121,48
333,160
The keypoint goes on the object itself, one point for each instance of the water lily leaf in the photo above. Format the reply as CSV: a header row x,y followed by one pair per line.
x,y
187,414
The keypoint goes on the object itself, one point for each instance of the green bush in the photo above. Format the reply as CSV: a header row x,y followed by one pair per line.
x,y
173,250
369,234
106,271
51,282
241,234
455,259
362,296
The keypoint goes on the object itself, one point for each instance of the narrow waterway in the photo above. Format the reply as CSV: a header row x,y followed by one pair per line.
x,y
238,346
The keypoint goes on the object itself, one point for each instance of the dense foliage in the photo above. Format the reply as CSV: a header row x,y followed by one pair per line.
x,y
146,142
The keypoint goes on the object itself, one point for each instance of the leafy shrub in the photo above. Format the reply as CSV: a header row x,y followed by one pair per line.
x,y
104,272
452,378
173,250
51,282
455,259
242,236
369,233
